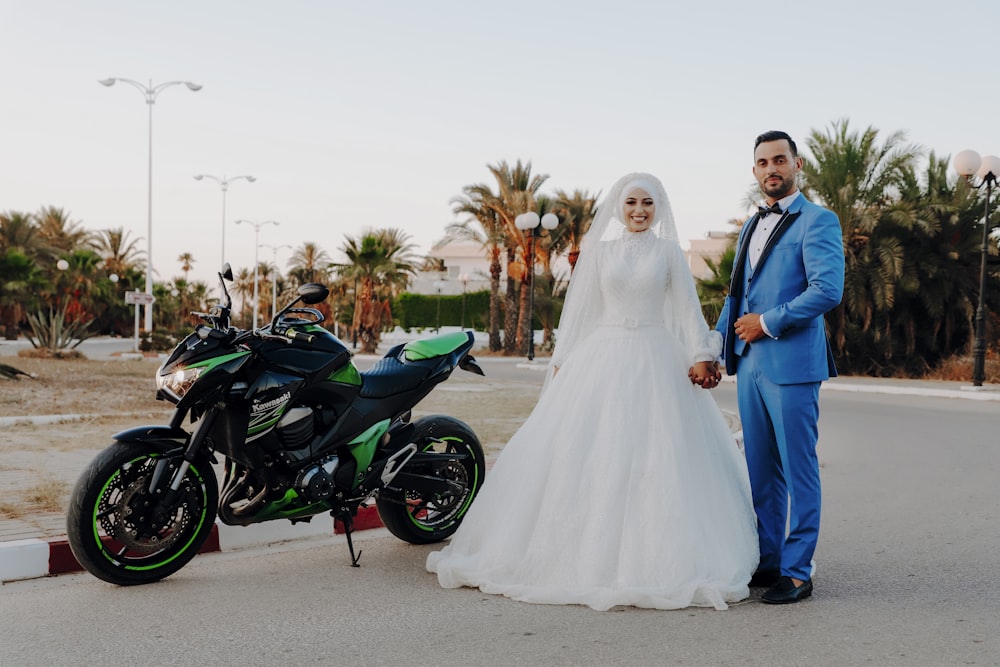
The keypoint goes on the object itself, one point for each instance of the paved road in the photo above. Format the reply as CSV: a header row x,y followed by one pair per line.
x,y
907,576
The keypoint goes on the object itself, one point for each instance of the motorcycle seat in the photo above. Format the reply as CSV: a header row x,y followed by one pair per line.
x,y
390,376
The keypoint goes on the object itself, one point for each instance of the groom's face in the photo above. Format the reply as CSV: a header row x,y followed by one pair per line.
x,y
776,169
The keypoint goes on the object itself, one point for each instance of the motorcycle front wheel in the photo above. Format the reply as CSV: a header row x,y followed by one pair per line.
x,y
424,518
112,529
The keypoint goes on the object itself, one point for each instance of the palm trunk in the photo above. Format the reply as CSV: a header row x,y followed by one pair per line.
x,y
495,301
510,309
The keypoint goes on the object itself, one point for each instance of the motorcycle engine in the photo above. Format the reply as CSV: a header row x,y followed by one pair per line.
x,y
315,483
295,429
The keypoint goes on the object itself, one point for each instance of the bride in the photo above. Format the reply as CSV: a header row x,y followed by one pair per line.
x,y
624,486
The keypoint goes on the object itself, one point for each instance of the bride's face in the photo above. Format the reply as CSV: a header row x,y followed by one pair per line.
x,y
639,210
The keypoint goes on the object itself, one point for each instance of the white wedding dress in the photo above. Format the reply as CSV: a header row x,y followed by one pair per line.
x,y
625,485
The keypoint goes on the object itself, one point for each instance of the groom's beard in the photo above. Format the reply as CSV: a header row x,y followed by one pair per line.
x,y
779,190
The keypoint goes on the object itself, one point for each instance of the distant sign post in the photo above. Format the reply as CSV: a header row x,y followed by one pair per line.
x,y
138,299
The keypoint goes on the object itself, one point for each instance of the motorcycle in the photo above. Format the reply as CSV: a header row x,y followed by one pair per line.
x,y
301,432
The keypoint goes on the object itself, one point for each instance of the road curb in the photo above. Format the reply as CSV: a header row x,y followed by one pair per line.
x,y
34,558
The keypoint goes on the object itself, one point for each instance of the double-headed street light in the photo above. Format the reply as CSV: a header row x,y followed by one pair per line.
x,y
224,184
525,222
274,279
256,262
150,93
967,163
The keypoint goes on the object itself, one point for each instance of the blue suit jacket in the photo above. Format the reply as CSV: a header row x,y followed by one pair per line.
x,y
798,278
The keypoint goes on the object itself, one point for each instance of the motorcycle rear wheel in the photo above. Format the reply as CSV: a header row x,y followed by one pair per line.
x,y
420,518
109,526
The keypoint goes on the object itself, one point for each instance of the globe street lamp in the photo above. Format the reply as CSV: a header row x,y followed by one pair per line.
x,y
524,222
150,93
224,184
256,263
987,168
274,280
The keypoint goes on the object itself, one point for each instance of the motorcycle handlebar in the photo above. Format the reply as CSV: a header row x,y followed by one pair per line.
x,y
298,335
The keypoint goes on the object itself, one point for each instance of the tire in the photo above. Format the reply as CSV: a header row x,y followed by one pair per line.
x,y
112,545
417,519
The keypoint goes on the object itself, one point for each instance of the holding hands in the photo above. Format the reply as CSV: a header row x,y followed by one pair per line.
x,y
705,374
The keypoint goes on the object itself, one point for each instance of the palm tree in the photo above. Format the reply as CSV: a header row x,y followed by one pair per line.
x,y
19,231
382,262
936,221
121,254
59,231
309,264
516,195
21,280
475,202
243,288
187,260
576,212
712,292
856,177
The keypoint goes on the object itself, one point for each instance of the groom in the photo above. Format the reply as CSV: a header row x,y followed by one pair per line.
x,y
789,271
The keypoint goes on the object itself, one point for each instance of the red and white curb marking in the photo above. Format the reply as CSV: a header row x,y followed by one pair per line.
x,y
33,558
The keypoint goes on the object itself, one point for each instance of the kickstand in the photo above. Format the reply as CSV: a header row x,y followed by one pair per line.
x,y
348,520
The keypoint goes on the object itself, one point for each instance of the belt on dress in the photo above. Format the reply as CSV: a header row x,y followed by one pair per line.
x,y
632,323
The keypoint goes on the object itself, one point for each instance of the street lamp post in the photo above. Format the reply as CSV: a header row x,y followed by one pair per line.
x,y
525,222
966,164
150,93
224,184
465,284
256,262
438,285
274,280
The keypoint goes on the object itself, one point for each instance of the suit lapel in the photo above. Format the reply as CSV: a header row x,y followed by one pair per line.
x,y
736,280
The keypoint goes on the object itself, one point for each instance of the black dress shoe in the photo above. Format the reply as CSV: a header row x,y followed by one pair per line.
x,y
765,578
786,592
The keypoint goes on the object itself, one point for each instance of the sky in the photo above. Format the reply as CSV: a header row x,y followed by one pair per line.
x,y
357,115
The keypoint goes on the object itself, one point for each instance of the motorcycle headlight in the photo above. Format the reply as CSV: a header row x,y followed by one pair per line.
x,y
179,382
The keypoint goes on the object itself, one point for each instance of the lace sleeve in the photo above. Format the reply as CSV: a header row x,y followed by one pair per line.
x,y
683,310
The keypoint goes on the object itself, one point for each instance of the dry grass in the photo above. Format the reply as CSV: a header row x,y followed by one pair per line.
x,y
79,386
47,495
959,369
40,462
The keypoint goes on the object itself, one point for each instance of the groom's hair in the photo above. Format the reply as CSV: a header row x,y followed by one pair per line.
x,y
776,135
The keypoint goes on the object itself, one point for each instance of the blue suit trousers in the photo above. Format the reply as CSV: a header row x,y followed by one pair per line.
x,y
780,429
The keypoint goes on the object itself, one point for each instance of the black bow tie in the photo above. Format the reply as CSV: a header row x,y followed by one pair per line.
x,y
765,210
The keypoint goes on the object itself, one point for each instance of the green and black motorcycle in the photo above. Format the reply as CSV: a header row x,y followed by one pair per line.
x,y
301,432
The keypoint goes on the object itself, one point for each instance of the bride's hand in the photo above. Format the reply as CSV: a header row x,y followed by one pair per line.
x,y
705,374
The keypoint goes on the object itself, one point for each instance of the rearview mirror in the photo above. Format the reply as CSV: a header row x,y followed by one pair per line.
x,y
227,271
313,293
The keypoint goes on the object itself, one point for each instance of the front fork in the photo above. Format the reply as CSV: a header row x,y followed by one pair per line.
x,y
169,497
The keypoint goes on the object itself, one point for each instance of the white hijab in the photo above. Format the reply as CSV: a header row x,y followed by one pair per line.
x,y
582,309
